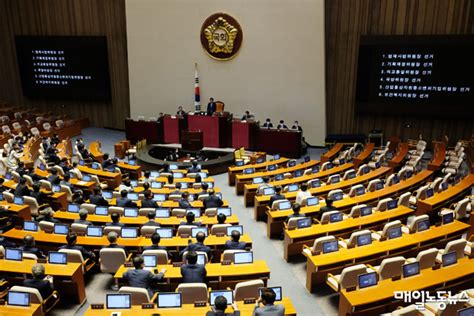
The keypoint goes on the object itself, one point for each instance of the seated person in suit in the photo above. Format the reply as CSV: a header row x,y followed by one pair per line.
x,y
302,193
106,161
204,187
71,240
234,242
155,243
211,107
29,246
282,125
145,186
85,154
264,185
38,195
277,196
146,177
296,212
180,111
190,220
177,189
212,200
221,218
21,188
141,278
64,164
112,238
125,185
97,198
148,200
194,167
115,217
43,284
184,201
191,271
53,178
246,116
268,123
47,215
7,243
297,127
220,305
124,201
82,217
327,208
267,300
151,219
198,246
65,182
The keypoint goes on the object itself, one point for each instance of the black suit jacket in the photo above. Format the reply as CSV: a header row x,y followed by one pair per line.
x,y
235,245
53,179
33,250
276,197
219,313
98,200
197,247
153,247
125,202
82,221
43,286
211,108
212,201
149,203
184,204
85,254
142,278
151,223
22,190
193,273
39,196
268,125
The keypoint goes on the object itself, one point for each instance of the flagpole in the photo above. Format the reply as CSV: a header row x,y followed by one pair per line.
x,y
197,92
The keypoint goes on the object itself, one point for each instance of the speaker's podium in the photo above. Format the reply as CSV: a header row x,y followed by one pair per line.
x,y
191,140
243,133
213,129
172,125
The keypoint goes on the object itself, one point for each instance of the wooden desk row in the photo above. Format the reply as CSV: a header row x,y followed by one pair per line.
x,y
331,153
234,170
171,204
57,198
439,154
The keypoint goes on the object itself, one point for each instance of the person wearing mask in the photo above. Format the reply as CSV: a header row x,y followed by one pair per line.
x,y
148,201
151,219
124,201
277,196
141,278
212,200
82,218
211,107
184,201
268,308
30,247
327,208
198,246
191,271
268,124
155,243
43,284
302,193
297,127
282,125
47,215
234,243
97,198
112,238
22,189
220,305
71,240
246,116
115,217
296,212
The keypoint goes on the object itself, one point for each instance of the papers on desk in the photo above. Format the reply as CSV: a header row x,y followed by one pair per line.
x,y
81,182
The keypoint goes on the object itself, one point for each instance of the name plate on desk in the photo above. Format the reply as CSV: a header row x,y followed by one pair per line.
x,y
40,260
200,304
97,306
147,306
177,264
220,235
226,262
249,301
184,235
128,264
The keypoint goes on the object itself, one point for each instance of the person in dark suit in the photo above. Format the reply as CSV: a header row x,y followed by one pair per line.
x,y
297,127
177,189
144,279
220,305
29,246
184,201
268,123
155,243
148,200
151,219
7,243
221,218
282,125
194,167
234,243
47,215
192,272
267,299
277,196
146,177
71,240
212,200
38,195
97,198
112,238
198,246
64,164
39,282
327,208
180,111
246,116
115,217
21,188
123,201
204,187
296,212
190,220
53,178
82,217
211,107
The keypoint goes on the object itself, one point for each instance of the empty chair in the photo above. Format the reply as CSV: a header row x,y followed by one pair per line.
x,y
349,174
276,204
382,204
6,129
138,295
45,185
412,223
90,208
363,169
47,303
59,123
457,245
174,197
35,131
68,191
79,229
352,241
161,255
347,278
192,292
382,149
248,289
108,229
47,126
419,194
354,189
335,178
16,126
292,223
9,197
333,193
375,161
426,258
355,211
145,210
402,173
373,184
147,231
327,215
116,209
210,212
111,259
33,204
219,229
318,245
384,233
391,180
404,199
390,267
325,166
74,255
178,212
47,227
462,208
185,230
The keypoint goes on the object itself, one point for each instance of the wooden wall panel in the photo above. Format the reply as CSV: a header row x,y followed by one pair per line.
x,y
68,17
347,20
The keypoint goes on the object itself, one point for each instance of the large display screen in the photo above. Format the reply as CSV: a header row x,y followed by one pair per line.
x,y
64,67
425,75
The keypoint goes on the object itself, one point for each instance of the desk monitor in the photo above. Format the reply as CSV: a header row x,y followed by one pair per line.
x,y
337,196
1,196
94,231
42,167
169,300
260,160
293,187
95,166
378,186
134,183
411,269
55,257
101,210
132,196
18,200
359,191
30,226
330,246
238,228
429,193
249,171
449,258
351,175
279,177
173,167
73,208
178,175
316,183
284,205
156,185
132,162
342,161
195,211
257,180
226,293
367,279
186,185
227,211
203,175
366,210
56,188
8,176
329,166
276,157
268,191
304,222
129,232
394,232
16,298
310,201
315,169
395,179
392,204
444,186
335,217
298,173
162,213
377,165
365,239
272,167
149,260
335,179
82,163
61,229
196,230
165,232
448,218
130,212
86,178
13,254
457,178
154,174
239,163
243,257
408,174
422,225
307,159
159,197
468,311
365,170
118,301
275,289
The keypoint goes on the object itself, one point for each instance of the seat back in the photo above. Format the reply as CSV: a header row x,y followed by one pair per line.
x,y
360,170
318,243
33,204
327,215
352,242
389,225
68,191
179,212
211,212
404,199
89,207
412,224
116,209
334,192
73,255
111,259
427,258
185,229
192,292
9,197
456,245
220,106
161,255
248,289
293,223
461,208
59,123
276,204
355,211
382,204
138,295
349,275
35,295
354,189
372,183
228,255
79,229
335,177
174,197
45,185
391,267
47,227
219,229
145,210
147,231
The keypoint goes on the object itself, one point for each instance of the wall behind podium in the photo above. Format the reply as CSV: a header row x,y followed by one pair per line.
x,y
278,73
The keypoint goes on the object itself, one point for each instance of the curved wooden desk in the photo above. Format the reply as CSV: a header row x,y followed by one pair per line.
x,y
234,170
331,153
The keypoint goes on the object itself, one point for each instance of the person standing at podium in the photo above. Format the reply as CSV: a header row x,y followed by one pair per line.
x,y
211,107
246,116
180,112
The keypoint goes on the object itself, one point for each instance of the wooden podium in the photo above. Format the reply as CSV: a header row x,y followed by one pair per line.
x,y
191,140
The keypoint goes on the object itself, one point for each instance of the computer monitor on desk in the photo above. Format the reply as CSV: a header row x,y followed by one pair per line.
x,y
94,231
449,258
165,232
118,301
16,298
226,293
363,240
285,205
238,228
30,226
411,269
367,279
330,246
13,254
243,257
162,213
169,300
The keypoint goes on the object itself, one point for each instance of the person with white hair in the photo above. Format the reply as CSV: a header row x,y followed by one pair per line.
x,y
43,284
